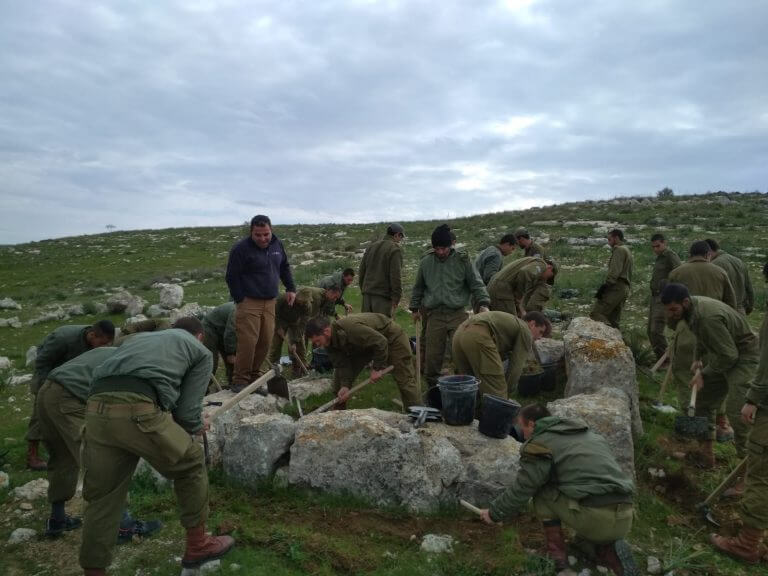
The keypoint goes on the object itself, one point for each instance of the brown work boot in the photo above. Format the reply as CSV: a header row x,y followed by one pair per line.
x,y
745,546
34,462
737,490
707,454
556,550
724,431
202,547
617,557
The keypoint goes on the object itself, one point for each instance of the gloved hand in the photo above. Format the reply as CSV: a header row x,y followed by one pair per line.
x,y
601,291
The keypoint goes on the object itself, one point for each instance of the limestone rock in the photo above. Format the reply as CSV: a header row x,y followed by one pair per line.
x,y
171,296
608,413
32,490
12,322
9,304
21,535
157,311
653,565
303,388
378,456
135,319
31,356
135,306
191,309
53,314
437,544
19,380
5,363
119,301
258,444
550,351
75,310
597,358
4,480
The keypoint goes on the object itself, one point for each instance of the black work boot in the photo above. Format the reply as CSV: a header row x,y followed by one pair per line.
x,y
130,527
55,528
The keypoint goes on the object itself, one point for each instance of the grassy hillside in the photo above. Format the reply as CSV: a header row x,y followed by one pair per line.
x,y
286,531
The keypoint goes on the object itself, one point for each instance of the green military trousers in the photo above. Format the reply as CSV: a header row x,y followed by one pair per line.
x,y
657,321
739,380
378,304
599,525
475,352
682,349
607,309
215,344
61,417
116,436
754,505
441,325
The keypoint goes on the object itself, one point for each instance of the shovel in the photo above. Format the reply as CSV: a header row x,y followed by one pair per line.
x,y
330,404
691,425
245,392
659,404
471,507
704,507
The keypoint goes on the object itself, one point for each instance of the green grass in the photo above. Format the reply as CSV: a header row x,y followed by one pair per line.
x,y
289,531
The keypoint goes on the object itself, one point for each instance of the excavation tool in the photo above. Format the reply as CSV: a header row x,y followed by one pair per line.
x,y
299,359
659,404
206,450
704,507
660,362
471,507
691,425
275,372
422,414
330,404
216,383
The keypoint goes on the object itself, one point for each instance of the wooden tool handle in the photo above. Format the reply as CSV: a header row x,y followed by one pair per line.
x,y
727,482
471,507
330,404
660,362
216,383
229,404
663,388
692,403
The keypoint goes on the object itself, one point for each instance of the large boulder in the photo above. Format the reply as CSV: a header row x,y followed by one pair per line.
x,y
312,385
597,358
157,311
608,413
257,445
118,302
378,456
171,296
550,351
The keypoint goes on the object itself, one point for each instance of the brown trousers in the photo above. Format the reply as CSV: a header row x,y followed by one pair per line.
x,y
255,325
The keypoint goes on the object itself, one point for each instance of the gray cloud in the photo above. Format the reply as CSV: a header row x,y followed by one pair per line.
x,y
155,114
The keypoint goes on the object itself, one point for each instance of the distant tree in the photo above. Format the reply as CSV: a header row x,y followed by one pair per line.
x,y
665,193
110,227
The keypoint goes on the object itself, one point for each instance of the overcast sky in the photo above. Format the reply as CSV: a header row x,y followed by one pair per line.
x,y
152,114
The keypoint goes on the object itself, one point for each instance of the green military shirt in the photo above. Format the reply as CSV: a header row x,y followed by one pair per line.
x,y
723,335
308,304
517,279
534,250
739,276
365,335
512,336
61,345
447,283
566,455
488,262
381,269
664,264
758,390
704,279
173,362
221,321
75,375
335,280
620,265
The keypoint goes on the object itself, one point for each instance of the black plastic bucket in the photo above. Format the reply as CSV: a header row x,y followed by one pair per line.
x,y
321,362
532,384
458,395
497,416
434,399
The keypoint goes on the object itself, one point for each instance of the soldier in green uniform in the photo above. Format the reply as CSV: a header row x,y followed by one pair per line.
x,y
359,339
726,357
61,345
482,342
291,320
613,293
146,402
747,545
380,274
490,260
445,282
666,261
702,278
522,285
61,412
341,279
574,479
527,244
738,275
220,337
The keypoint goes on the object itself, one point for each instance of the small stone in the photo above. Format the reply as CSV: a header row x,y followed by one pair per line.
x,y
437,544
678,455
18,380
585,572
21,535
26,506
572,561
5,480
209,567
234,567
602,569
5,363
653,565
32,490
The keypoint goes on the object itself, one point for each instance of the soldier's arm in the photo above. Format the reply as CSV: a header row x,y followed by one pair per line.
x,y
476,286
230,335
361,270
418,290
234,273
286,274
188,411
50,355
395,275
518,356
534,473
729,294
673,259
371,340
343,374
615,266
723,353
492,265
749,293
